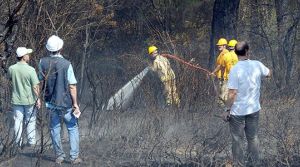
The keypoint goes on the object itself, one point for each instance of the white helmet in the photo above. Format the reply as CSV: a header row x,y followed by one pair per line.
x,y
54,43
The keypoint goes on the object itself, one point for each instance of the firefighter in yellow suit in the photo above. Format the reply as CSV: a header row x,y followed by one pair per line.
x,y
162,67
230,58
221,72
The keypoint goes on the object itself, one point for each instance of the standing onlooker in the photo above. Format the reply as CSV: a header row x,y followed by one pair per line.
x,y
221,72
243,100
162,67
61,98
25,92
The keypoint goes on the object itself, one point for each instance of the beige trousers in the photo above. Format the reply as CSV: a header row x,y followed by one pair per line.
x,y
223,92
170,92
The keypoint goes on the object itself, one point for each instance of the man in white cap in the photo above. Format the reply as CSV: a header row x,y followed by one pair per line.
x,y
59,82
25,93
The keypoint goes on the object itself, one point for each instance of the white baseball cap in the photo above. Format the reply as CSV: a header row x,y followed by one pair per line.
x,y
21,51
54,43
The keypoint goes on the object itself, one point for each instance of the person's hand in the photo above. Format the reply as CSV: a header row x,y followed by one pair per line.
x,y
38,103
75,106
212,74
226,116
76,111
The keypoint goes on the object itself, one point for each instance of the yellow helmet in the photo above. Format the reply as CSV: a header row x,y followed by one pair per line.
x,y
222,41
151,49
232,43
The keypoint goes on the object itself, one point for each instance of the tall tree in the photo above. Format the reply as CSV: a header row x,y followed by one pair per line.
x,y
288,17
224,24
9,26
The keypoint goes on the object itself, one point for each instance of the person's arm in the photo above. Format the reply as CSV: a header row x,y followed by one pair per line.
x,y
36,90
265,70
231,97
269,74
154,66
232,93
73,92
216,69
72,86
40,74
220,66
230,100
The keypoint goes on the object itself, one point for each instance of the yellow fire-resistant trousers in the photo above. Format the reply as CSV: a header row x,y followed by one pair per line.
x,y
223,92
170,92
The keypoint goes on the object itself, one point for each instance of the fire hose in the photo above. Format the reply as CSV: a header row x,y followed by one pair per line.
x,y
194,66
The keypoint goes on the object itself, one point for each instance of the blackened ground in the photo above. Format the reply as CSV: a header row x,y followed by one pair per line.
x,y
171,137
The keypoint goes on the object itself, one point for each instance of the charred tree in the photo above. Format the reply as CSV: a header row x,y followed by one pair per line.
x,y
287,26
9,29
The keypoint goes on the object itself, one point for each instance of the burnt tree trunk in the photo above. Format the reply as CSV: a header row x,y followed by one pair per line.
x,y
287,23
224,24
9,30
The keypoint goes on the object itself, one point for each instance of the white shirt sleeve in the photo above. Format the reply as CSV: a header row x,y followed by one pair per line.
x,y
264,70
233,79
71,77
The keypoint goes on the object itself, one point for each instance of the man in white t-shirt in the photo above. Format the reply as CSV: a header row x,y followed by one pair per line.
x,y
243,104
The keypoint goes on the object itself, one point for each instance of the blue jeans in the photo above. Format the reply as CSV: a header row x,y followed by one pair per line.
x,y
239,127
27,111
56,115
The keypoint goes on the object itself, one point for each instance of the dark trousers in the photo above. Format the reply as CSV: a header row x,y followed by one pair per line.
x,y
239,127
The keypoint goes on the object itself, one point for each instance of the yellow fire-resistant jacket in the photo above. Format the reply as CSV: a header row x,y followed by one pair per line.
x,y
161,65
221,73
229,60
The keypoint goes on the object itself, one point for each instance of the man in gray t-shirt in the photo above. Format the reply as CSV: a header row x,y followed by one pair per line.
x,y
243,104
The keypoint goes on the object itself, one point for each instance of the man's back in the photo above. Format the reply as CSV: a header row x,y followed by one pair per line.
x,y
23,79
55,72
230,59
245,77
163,68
